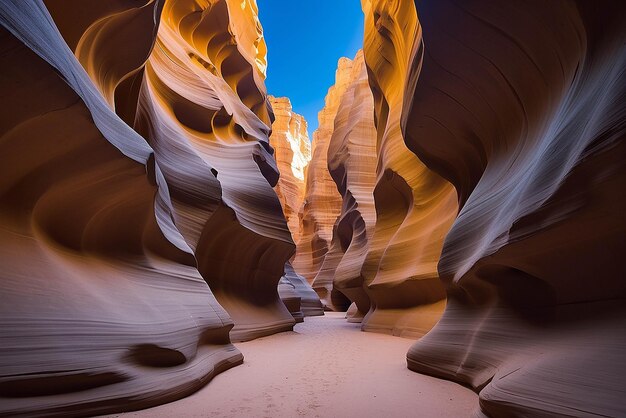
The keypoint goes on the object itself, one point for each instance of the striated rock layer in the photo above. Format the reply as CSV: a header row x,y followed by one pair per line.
x,y
292,151
352,165
521,106
204,109
102,306
322,202
309,300
414,206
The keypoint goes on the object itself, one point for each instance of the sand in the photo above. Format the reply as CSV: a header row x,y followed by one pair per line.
x,y
325,368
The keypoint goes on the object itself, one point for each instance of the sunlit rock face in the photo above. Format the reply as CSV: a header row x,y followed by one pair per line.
x,y
322,201
292,151
204,109
414,206
521,107
102,307
352,166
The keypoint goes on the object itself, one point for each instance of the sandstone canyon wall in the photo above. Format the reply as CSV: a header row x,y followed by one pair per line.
x,y
414,206
395,212
109,242
521,106
102,306
292,151
204,109
352,166
323,282
469,162
322,202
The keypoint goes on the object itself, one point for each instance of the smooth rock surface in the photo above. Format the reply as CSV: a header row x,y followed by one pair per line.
x,y
102,306
204,109
292,151
415,207
521,106
322,201
352,165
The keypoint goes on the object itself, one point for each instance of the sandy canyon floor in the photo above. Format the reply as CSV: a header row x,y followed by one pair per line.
x,y
325,368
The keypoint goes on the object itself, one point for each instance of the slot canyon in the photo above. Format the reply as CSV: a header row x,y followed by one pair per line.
x,y
442,238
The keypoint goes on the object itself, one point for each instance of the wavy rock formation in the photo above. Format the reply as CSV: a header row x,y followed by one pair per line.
x,y
414,206
322,202
102,306
292,151
521,106
352,165
204,109
310,303
95,34
290,298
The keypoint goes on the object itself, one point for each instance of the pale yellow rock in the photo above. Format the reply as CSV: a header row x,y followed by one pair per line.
x,y
292,151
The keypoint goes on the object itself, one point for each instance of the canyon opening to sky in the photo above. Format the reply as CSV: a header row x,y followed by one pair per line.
x,y
264,208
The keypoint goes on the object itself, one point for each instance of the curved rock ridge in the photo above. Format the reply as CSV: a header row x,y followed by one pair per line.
x,y
352,165
521,106
290,298
95,33
204,109
309,300
102,306
322,201
415,207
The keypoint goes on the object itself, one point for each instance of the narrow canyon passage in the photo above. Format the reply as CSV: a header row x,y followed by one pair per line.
x,y
374,208
326,367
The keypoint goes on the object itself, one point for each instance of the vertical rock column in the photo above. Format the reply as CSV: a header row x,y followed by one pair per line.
x,y
414,206
292,150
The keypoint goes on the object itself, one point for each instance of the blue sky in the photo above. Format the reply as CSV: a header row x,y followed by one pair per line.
x,y
305,38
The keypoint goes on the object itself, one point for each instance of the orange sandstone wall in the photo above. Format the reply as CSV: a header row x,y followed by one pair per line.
x,y
102,305
204,109
156,249
415,207
292,151
322,201
520,106
352,165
